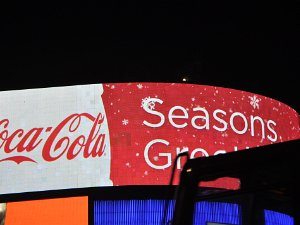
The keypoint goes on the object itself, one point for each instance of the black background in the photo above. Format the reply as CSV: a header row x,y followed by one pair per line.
x,y
245,45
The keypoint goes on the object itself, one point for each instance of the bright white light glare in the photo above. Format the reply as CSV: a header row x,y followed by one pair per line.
x,y
184,79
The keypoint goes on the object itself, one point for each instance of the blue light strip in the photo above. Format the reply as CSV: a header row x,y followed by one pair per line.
x,y
150,212
132,212
276,218
217,212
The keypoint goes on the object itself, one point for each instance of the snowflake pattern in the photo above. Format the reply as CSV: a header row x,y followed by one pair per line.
x,y
254,101
147,103
139,86
125,121
224,134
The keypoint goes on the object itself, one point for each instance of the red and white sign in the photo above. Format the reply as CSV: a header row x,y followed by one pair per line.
x,y
53,138
127,133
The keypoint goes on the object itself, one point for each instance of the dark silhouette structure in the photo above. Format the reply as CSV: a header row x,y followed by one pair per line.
x,y
268,179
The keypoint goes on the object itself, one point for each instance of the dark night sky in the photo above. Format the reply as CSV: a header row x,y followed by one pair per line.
x,y
246,45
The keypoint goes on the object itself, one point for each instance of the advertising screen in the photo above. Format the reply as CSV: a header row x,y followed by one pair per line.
x,y
217,224
60,211
136,212
128,133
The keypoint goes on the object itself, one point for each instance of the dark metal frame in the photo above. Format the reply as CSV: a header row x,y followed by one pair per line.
x,y
269,171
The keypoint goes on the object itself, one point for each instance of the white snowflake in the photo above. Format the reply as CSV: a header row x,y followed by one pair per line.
x,y
128,164
147,103
254,101
125,122
151,105
193,99
224,134
139,86
155,158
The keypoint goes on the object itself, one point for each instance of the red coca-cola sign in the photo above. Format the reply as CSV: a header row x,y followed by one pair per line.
x,y
27,141
129,133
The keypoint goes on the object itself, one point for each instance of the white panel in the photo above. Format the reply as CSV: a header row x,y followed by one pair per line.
x,y
41,112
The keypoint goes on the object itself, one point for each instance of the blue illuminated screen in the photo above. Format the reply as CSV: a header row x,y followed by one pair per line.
x,y
150,212
277,218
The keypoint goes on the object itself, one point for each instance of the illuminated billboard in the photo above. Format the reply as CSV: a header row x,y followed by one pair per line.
x,y
62,211
127,133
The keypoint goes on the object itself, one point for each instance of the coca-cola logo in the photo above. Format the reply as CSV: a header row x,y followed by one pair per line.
x,y
65,140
